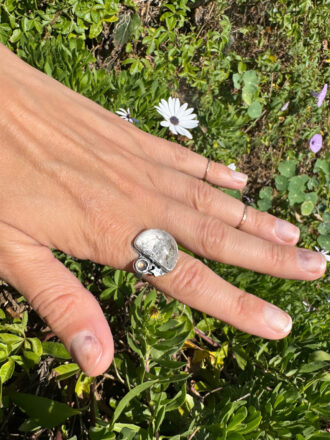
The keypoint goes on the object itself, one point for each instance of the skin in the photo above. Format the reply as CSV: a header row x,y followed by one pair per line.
x,y
78,178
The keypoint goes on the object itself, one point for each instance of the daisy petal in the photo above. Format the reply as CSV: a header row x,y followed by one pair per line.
x,y
182,110
176,106
171,105
188,117
165,110
188,111
173,129
188,124
165,123
183,131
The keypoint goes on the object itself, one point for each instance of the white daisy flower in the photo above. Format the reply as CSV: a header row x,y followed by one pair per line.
x,y
323,252
125,114
177,117
232,166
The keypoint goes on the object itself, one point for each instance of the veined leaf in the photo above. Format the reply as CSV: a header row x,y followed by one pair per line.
x,y
46,412
66,370
7,370
55,349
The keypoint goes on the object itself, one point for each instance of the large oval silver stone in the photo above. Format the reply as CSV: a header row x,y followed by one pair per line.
x,y
159,246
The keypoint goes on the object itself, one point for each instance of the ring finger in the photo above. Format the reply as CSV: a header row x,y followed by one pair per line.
x,y
209,200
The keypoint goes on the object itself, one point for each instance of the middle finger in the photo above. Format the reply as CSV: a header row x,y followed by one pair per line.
x,y
211,238
206,199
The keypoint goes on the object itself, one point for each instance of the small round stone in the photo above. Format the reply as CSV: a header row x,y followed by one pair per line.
x,y
141,265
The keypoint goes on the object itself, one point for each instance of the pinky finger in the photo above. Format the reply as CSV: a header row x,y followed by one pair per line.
x,y
194,284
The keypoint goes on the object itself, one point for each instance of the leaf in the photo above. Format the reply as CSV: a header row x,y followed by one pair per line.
x,y
321,164
298,183
16,35
129,396
36,346
241,357
287,168
281,183
237,418
248,94
7,370
125,27
95,29
176,401
66,370
266,193
264,204
255,110
252,425
312,366
311,197
237,80
307,208
48,69
55,349
296,197
46,412
320,355
82,388
324,228
324,242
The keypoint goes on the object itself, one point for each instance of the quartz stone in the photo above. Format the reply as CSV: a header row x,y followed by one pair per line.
x,y
159,246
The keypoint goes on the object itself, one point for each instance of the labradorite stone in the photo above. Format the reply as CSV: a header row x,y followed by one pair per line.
x,y
159,246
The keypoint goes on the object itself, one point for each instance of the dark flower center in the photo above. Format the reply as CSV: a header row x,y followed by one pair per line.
x,y
174,120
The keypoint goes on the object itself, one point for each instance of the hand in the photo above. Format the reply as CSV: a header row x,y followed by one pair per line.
x,y
76,177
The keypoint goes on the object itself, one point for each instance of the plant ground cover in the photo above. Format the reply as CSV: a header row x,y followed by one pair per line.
x,y
178,374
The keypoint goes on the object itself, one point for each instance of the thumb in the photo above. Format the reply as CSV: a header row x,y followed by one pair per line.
x,y
57,296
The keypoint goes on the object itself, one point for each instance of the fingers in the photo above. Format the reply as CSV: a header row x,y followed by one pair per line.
x,y
208,200
182,159
209,237
194,284
58,297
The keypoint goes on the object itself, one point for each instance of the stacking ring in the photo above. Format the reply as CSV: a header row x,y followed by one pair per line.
x,y
207,169
158,253
243,217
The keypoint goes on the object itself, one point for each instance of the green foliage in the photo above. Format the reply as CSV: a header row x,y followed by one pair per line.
x,y
178,374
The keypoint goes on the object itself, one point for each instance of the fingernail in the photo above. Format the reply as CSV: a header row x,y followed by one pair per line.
x,y
286,231
86,350
277,319
238,177
311,261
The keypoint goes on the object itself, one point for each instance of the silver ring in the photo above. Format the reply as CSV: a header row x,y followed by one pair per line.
x,y
207,169
158,253
243,217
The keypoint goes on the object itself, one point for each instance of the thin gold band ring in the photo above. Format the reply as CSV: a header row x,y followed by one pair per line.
x,y
243,217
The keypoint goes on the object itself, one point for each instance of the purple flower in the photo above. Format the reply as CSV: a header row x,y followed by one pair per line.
x,y
315,144
285,106
320,96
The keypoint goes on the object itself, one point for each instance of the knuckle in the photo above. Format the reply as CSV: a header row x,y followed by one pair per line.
x,y
108,234
242,304
259,220
276,255
189,279
201,195
211,233
180,154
